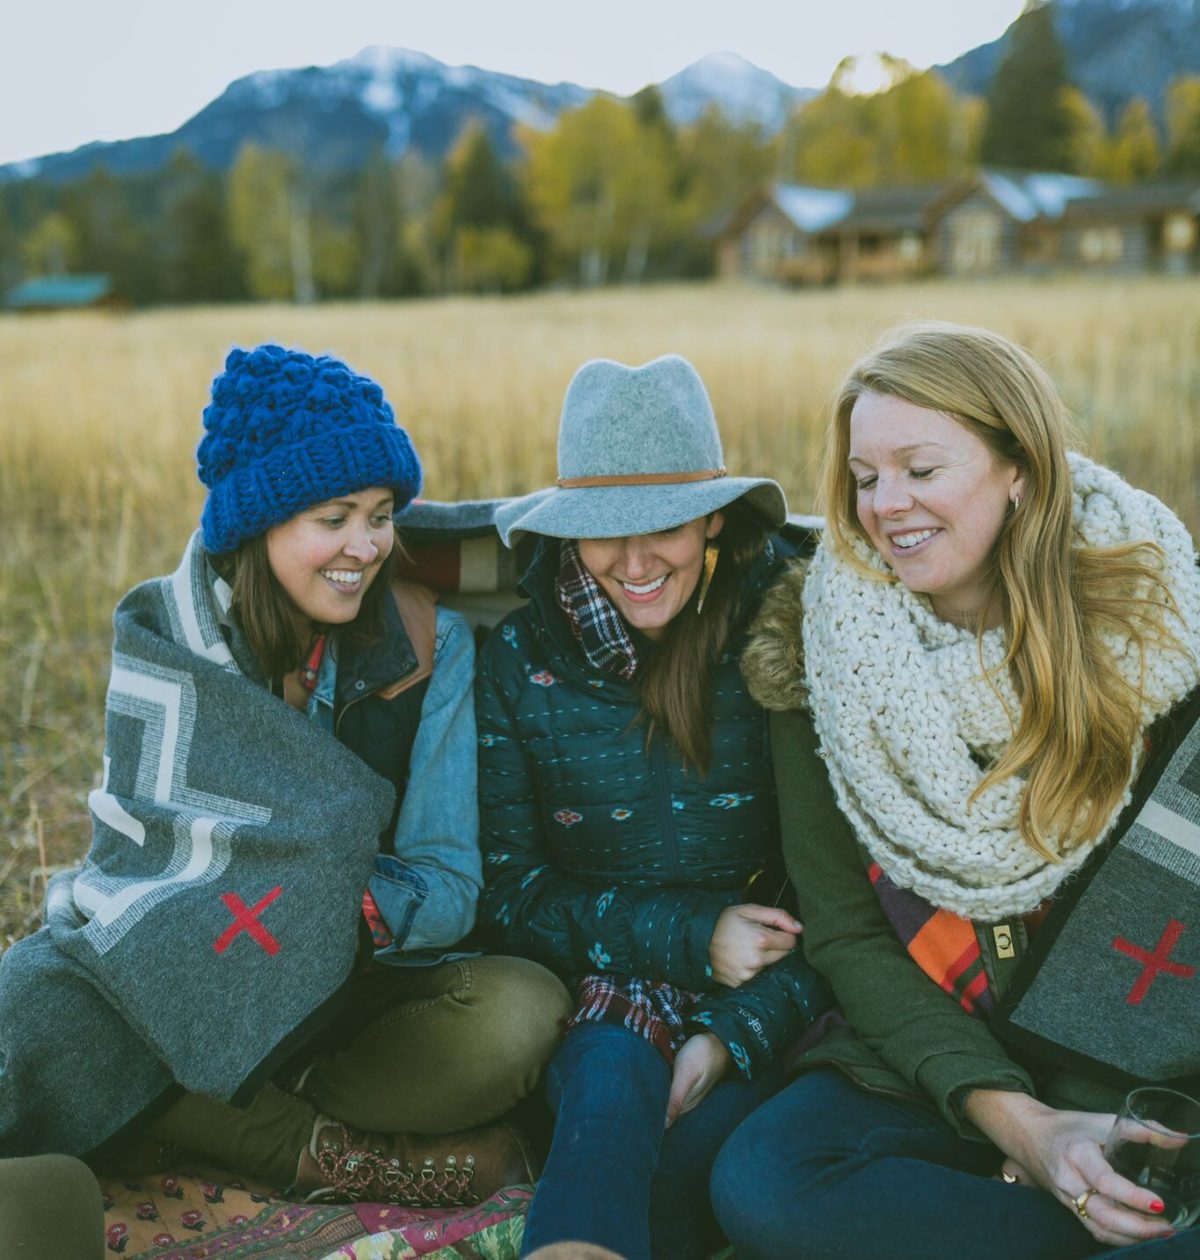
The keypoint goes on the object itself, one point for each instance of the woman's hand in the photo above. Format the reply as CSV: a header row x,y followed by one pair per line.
x,y
748,938
701,1062
1061,1151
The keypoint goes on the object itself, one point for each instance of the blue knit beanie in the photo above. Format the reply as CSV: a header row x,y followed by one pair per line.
x,y
286,430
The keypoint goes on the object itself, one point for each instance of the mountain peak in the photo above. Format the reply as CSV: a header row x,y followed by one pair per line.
x,y
725,63
380,59
743,91
1184,7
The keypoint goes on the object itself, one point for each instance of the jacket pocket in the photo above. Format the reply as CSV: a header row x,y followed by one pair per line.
x,y
399,892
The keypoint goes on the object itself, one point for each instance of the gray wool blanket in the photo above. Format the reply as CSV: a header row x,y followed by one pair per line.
x,y
217,909
1112,983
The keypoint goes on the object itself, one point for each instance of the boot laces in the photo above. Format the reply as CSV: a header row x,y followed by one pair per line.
x,y
358,1171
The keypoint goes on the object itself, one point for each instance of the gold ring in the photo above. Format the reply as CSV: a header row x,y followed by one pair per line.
x,y
1009,1179
1081,1202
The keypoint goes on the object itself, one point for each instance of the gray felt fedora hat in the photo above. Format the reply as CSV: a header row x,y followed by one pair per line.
x,y
638,451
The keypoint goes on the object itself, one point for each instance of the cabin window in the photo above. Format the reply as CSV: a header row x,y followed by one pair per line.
x,y
1102,245
974,241
761,244
1179,233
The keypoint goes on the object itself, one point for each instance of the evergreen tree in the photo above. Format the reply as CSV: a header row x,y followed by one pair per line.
x,y
112,237
199,260
477,191
650,111
480,221
1027,125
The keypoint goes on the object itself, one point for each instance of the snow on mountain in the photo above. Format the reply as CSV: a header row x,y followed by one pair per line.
x,y
743,91
1116,50
333,118
1183,7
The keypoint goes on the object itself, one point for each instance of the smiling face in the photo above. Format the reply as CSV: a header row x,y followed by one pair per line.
x,y
649,577
327,556
932,498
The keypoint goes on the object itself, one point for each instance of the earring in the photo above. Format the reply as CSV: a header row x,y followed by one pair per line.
x,y
712,553
1016,501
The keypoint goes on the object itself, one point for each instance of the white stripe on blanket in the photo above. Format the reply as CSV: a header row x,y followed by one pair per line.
x,y
164,700
202,635
1170,826
109,810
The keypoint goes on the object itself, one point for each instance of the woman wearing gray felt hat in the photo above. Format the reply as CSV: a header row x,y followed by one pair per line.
x,y
627,803
638,451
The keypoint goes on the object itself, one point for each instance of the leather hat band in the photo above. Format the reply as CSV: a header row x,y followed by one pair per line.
x,y
640,479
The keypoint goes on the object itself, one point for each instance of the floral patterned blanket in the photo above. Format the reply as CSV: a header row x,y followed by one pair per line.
x,y
203,1214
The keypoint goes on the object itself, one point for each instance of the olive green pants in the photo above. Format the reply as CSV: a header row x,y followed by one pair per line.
x,y
431,1050
50,1209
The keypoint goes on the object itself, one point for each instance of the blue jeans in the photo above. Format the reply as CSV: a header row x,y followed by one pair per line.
x,y
612,1178
827,1170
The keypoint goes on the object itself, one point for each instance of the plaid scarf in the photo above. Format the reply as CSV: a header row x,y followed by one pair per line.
x,y
656,1012
942,943
595,622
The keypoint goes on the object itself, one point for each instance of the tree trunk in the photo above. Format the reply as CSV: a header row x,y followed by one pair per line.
x,y
304,291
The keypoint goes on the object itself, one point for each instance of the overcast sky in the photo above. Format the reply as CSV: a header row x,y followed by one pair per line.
x,y
80,70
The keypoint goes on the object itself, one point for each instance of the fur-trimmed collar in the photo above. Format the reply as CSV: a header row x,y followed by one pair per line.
x,y
773,662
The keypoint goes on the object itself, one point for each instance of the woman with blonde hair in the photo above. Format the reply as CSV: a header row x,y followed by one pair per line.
x,y
985,739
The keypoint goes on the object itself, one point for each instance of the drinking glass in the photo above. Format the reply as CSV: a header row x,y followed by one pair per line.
x,y
1155,1143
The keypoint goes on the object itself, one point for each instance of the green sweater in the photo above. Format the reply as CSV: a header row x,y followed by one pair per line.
x,y
906,1036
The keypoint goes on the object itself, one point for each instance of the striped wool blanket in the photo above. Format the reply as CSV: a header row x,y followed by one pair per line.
x,y
216,913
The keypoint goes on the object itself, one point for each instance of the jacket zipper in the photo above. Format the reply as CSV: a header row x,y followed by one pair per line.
x,y
357,699
337,726
666,811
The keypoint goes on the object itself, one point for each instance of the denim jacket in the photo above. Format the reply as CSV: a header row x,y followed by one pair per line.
x,y
428,884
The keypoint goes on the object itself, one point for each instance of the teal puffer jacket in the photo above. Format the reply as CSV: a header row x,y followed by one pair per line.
x,y
603,855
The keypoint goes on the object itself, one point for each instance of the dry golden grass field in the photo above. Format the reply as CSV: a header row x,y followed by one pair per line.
x,y
100,415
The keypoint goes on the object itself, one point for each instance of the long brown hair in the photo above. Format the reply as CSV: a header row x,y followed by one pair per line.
x,y
1074,741
675,684
267,616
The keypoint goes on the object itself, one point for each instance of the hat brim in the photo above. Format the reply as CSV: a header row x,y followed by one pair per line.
x,y
618,511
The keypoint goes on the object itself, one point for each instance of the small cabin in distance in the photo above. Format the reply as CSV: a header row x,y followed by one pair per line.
x,y
992,222
64,293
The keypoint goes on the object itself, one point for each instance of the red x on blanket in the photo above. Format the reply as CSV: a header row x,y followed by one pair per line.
x,y
1153,963
245,919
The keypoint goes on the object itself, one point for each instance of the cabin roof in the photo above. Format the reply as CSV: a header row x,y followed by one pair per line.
x,y
59,291
812,209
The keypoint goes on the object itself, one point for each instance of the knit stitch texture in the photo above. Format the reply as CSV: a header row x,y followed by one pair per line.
x,y
286,430
907,722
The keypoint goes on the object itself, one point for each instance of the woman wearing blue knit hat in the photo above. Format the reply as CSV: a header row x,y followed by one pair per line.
x,y
257,959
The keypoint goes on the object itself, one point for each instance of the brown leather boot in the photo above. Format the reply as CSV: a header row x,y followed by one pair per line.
x,y
441,1170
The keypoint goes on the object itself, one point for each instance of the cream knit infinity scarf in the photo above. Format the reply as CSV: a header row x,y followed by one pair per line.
x,y
900,705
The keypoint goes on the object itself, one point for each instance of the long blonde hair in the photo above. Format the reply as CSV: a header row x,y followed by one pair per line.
x,y
1074,739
